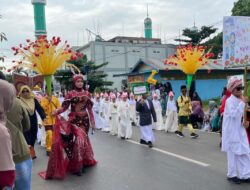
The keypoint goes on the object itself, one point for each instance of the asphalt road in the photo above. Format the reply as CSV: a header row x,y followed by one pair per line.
x,y
173,164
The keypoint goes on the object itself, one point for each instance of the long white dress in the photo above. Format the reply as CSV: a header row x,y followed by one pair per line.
x,y
96,110
125,127
132,104
234,139
105,115
158,110
114,121
171,124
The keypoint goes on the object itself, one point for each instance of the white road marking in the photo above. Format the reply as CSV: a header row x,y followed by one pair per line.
x,y
175,155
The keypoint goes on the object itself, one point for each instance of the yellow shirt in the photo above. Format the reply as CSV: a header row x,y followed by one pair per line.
x,y
184,108
49,107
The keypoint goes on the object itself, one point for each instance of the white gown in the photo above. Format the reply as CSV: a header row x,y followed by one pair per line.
x,y
132,110
234,139
125,127
171,124
158,110
96,110
114,121
105,115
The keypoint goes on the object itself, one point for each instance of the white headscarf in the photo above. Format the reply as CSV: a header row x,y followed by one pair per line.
x,y
233,83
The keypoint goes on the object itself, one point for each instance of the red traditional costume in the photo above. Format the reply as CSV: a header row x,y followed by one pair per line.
x,y
71,147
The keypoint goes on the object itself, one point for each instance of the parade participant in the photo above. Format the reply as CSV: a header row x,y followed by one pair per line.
x,y
125,128
101,97
119,97
185,107
132,105
171,124
17,123
158,110
196,97
41,134
163,102
157,92
31,105
105,113
96,111
221,109
234,137
7,167
213,114
74,141
197,115
49,104
113,115
146,111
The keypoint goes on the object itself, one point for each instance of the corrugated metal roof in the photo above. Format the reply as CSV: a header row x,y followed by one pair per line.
x,y
213,64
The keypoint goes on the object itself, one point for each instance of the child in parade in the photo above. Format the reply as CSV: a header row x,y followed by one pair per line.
x,y
113,115
125,127
158,110
184,104
171,124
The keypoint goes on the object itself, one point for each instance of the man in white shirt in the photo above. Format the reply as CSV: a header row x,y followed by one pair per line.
x,y
234,136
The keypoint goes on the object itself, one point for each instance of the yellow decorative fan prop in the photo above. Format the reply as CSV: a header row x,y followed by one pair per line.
x,y
189,59
43,57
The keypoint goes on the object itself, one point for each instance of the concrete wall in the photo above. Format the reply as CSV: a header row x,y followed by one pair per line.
x,y
123,56
207,89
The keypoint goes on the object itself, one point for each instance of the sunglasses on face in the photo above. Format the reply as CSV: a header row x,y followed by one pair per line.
x,y
239,88
25,91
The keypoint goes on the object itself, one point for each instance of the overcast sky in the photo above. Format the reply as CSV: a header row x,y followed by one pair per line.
x,y
69,18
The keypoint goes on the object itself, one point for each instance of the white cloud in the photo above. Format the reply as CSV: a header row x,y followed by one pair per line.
x,y
68,19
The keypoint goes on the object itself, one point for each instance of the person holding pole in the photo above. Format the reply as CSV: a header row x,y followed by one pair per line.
x,y
234,136
184,104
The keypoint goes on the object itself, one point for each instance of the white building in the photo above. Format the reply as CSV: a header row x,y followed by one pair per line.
x,y
122,53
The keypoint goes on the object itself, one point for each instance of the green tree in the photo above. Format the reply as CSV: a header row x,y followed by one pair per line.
x,y
95,76
216,44
241,8
196,36
2,38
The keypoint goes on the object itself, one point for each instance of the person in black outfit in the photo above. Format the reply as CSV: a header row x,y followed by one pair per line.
x,y
146,111
31,104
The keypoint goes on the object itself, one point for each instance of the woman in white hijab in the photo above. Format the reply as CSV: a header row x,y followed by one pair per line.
x,y
171,124
7,167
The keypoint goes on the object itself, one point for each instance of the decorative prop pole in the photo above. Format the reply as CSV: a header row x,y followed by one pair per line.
x,y
245,91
